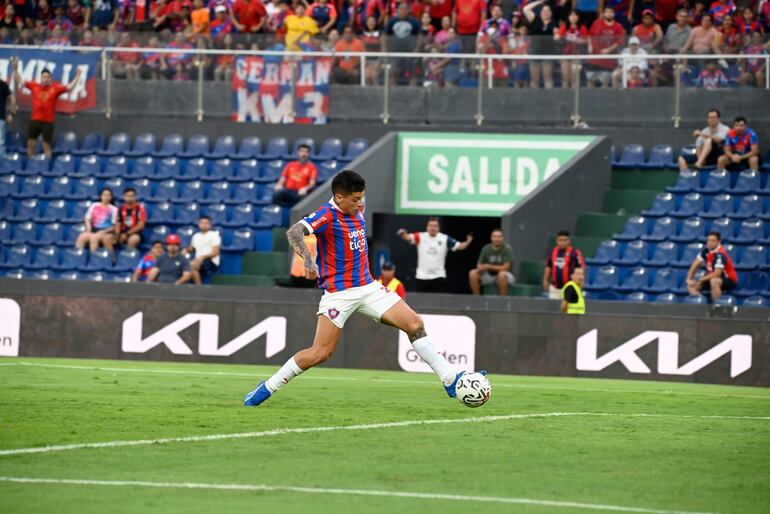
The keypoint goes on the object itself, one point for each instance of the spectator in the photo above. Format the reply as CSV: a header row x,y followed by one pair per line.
x,y
442,36
440,9
324,14
606,36
624,11
542,28
503,25
347,69
402,31
649,33
572,299
753,68
519,44
635,78
249,16
711,77
561,263
60,19
127,64
146,263
427,32
175,63
677,34
104,14
101,220
39,18
703,38
631,57
719,9
729,40
574,36
588,11
222,25
223,69
276,21
7,112
297,273
297,180
446,71
10,19
696,12
76,14
171,267
201,18
666,12
741,147
57,37
206,245
494,265
140,19
372,39
132,218
764,11
44,97
153,61
432,247
491,43
747,23
88,39
389,281
299,28
720,273
708,145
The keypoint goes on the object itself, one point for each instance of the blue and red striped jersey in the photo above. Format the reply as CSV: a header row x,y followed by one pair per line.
x,y
343,253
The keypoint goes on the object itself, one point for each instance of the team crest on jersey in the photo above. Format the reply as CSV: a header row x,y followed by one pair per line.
x,y
333,313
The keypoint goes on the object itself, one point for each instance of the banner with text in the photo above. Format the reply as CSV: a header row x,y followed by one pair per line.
x,y
262,90
63,66
476,174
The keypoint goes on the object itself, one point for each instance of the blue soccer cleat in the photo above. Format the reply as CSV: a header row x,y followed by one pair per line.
x,y
451,390
257,396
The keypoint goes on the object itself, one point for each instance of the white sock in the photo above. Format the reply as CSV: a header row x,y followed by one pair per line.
x,y
283,375
427,352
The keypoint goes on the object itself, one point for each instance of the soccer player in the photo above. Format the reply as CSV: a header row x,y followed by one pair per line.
x,y
342,266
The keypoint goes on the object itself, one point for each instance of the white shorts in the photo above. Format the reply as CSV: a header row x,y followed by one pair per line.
x,y
371,300
491,278
554,293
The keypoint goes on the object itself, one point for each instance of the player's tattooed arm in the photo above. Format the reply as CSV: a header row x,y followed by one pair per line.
x,y
296,236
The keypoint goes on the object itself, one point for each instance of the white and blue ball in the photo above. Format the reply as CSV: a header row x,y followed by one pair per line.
x,y
473,389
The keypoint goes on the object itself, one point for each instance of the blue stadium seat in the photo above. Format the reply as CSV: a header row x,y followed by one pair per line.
x,y
127,260
692,204
70,275
7,207
250,148
265,194
25,233
755,301
750,206
327,170
197,146
166,190
17,274
192,191
90,166
687,181
173,144
695,299
356,147
666,298
144,145
13,163
247,170
77,211
169,167
224,147
718,181
752,258
116,166
607,251
689,154
664,228
243,240
96,276
56,210
271,171
751,283
270,216
144,188
631,158
725,227
634,253
277,147
635,227
144,167
243,215
217,212
636,280
159,233
331,149
186,234
720,205
32,187
664,280
752,230
661,157
748,182
63,165
92,143
693,229
636,297
26,210
50,234
17,256
45,257
85,188
662,205
15,142
662,255
122,277
295,147
219,192
766,165
196,169
99,260
71,233
726,300
119,144
66,142
43,274
247,192
162,212
187,214
117,185
37,164
9,186
607,277
5,234
221,169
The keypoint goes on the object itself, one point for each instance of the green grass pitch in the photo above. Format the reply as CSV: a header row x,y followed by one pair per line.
x,y
541,445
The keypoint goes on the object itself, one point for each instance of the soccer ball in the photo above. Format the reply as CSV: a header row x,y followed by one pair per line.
x,y
473,389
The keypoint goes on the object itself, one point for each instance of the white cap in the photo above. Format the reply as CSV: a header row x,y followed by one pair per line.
x,y
633,40
220,8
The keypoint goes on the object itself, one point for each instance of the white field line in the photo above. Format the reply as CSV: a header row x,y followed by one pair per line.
x,y
334,428
344,492
383,380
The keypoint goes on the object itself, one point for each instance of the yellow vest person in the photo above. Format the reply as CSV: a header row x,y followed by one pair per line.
x,y
388,279
573,301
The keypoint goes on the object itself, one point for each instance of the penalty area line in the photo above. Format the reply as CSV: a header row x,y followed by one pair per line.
x,y
343,492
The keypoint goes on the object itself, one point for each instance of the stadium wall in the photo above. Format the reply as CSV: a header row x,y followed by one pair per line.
x,y
503,335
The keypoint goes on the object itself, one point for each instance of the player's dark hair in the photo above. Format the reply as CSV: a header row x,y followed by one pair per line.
x,y
563,233
346,182
156,242
204,217
46,70
719,114
716,234
303,145
739,119
129,190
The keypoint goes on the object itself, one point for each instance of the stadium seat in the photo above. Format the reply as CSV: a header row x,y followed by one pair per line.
x,y
271,171
71,233
116,166
169,167
666,298
243,215
99,260
173,145
607,277
50,233
15,141
159,233
269,217
192,191
634,253
635,227
748,182
327,170
63,165
246,192
56,210
664,280
224,147
606,252
92,143
695,299
96,276
277,148
196,169
295,147
118,144
37,165
45,257
66,142
750,206
167,190
144,188
663,255
720,205
77,211
687,181
692,204
197,146
144,145
217,212
162,212
726,300
631,158
90,166
117,185
725,227
144,167
17,274
187,214
751,283
636,297
664,228
9,186
122,277
127,260
26,210
84,189
355,148
7,207
43,274
692,229
718,181
32,187
751,230
17,256
25,233
186,234
661,156
219,192
242,241
250,148
221,169
752,258
662,205
636,280
755,301
5,234
331,148
70,275
247,170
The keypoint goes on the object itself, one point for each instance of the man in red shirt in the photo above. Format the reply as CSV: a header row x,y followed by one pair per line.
x,y
606,38
250,15
561,263
720,273
297,180
467,18
44,96
132,218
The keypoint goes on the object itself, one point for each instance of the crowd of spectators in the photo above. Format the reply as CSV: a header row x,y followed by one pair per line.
x,y
637,29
